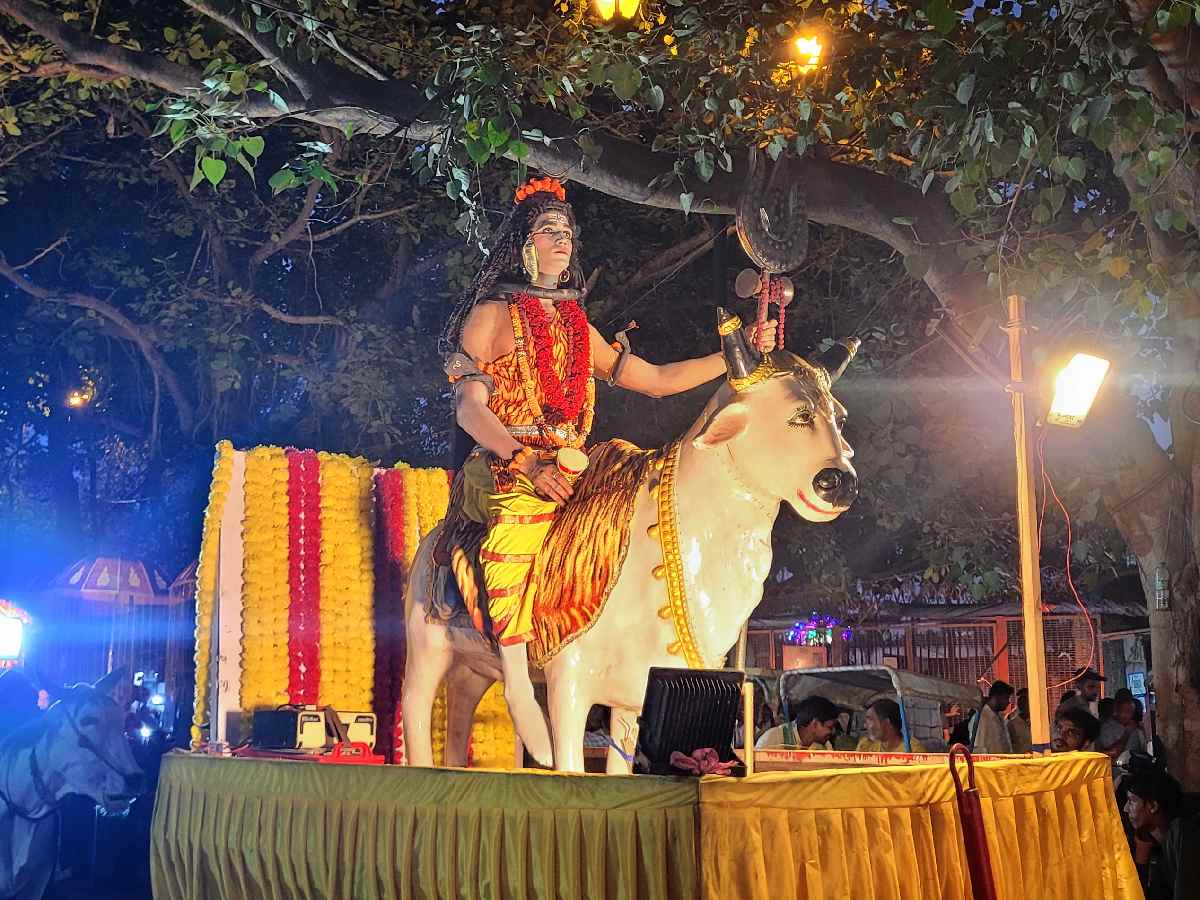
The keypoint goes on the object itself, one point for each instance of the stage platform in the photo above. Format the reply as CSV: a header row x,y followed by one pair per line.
x,y
227,829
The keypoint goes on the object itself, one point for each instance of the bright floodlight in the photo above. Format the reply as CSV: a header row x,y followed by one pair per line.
x,y
808,49
1075,389
12,632
606,8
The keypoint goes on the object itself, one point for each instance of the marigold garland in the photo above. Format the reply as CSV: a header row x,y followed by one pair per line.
x,y
304,576
493,739
206,583
347,650
265,595
563,397
539,185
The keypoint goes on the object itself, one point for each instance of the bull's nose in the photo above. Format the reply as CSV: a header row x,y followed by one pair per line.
x,y
836,486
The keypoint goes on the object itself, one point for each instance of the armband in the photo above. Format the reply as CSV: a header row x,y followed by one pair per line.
x,y
460,369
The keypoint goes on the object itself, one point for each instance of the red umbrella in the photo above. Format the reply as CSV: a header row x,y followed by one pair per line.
x,y
970,812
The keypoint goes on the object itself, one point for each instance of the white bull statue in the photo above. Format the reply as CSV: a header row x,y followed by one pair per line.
x,y
772,433
77,747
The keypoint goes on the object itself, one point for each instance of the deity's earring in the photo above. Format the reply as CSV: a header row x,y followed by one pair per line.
x,y
529,260
565,276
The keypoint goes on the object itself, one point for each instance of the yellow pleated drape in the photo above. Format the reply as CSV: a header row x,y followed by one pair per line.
x,y
229,829
894,834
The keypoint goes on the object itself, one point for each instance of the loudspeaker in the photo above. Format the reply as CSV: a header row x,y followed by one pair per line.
x,y
686,710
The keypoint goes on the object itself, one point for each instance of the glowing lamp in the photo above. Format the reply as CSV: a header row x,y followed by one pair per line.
x,y
1075,389
157,700
77,399
808,49
607,8
145,731
12,634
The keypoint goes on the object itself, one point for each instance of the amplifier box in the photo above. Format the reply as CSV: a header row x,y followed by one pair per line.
x,y
306,728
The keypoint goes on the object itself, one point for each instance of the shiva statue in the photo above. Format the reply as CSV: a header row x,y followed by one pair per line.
x,y
523,360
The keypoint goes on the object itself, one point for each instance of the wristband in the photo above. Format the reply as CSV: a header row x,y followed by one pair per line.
x,y
514,461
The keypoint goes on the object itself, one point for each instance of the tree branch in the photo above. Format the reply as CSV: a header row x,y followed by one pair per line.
x,y
131,332
842,195
289,234
273,311
362,217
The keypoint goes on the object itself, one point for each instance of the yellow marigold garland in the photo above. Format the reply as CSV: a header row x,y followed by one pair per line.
x,y
265,593
493,739
206,582
347,583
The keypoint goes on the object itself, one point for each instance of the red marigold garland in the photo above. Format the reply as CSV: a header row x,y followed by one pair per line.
x,y
390,584
304,576
564,398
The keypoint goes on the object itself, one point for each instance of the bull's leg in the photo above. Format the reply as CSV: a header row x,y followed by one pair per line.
x,y
623,729
428,660
569,704
464,690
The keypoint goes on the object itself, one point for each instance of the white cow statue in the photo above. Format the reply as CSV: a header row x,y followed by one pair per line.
x,y
771,434
77,747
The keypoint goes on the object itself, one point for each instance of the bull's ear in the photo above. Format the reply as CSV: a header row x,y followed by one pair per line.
x,y
110,682
722,426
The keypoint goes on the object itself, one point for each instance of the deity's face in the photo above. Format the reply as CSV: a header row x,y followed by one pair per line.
x,y
554,239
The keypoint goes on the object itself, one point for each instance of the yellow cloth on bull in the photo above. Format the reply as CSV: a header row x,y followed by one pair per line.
x,y
518,519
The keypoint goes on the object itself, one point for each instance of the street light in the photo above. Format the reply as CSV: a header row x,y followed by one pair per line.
x,y
1075,389
12,633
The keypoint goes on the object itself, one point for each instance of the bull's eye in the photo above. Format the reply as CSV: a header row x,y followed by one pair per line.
x,y
89,722
802,418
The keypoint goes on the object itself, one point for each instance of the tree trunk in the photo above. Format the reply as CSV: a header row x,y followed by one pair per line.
x,y
1151,504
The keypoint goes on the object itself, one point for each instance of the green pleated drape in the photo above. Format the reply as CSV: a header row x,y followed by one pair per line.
x,y
227,829
893,833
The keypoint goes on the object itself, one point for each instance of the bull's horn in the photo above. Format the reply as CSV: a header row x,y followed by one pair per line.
x,y
836,358
740,358
109,682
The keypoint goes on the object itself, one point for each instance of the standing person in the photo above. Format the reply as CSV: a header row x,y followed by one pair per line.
x,y
1020,732
523,359
885,730
1087,696
810,728
1166,843
989,734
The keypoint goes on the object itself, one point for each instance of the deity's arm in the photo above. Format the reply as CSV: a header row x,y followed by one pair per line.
x,y
669,378
652,380
483,340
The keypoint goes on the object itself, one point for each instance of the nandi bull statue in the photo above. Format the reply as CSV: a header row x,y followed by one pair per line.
x,y
77,747
658,560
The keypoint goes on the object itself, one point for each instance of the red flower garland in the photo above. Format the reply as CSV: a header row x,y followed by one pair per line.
x,y
304,576
563,398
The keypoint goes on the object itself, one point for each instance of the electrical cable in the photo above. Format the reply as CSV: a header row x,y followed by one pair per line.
x,y
1048,484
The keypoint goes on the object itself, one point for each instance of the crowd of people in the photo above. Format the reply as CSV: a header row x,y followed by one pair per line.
x,y
1162,829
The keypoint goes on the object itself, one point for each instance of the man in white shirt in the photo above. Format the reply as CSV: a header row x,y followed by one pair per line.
x,y
810,728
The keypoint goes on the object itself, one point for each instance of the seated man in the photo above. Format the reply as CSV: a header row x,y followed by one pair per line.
x,y
885,731
1074,729
809,729
1166,843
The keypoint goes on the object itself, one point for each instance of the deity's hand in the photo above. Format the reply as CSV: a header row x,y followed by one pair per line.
x,y
548,481
767,340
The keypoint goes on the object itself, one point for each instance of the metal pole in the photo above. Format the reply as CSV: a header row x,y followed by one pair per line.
x,y
747,702
1031,585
